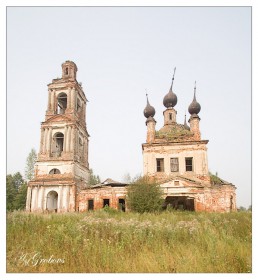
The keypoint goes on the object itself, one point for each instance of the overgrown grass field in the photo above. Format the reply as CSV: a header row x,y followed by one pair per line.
x,y
112,241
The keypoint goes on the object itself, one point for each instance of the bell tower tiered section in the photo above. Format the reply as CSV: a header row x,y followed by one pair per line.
x,y
62,168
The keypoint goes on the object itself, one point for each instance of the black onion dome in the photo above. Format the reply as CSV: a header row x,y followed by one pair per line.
x,y
170,99
149,111
194,107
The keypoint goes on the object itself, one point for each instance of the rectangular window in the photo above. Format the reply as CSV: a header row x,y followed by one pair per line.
x,y
174,166
189,164
160,164
105,202
176,183
90,204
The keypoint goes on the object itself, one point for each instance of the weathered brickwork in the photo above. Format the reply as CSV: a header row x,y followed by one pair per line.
x,y
62,168
175,156
98,195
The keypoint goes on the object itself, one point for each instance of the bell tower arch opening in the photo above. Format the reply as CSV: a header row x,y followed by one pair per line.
x,y
61,103
52,198
58,144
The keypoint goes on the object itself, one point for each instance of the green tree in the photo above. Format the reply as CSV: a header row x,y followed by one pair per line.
x,y
11,192
144,195
241,209
94,179
17,180
127,178
30,163
16,192
20,198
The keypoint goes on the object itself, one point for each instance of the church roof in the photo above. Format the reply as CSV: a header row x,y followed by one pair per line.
x,y
174,132
109,182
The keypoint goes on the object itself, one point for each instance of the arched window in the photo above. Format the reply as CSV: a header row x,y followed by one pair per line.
x,y
66,71
61,103
58,144
79,105
80,148
54,171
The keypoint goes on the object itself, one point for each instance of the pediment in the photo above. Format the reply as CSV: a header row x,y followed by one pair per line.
x,y
58,118
179,181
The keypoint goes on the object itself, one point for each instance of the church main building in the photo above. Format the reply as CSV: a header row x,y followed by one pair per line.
x,y
175,156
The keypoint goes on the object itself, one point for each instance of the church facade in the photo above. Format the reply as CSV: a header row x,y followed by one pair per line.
x,y
175,156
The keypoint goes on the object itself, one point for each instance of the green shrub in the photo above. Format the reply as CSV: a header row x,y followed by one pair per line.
x,y
144,195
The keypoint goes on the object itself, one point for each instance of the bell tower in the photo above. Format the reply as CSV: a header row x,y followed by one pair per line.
x,y
62,168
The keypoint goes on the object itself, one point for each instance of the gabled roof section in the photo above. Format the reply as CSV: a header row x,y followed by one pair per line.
x,y
109,182
215,180
184,181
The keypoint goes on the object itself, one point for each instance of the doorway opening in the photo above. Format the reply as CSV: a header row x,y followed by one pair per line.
x,y
179,203
121,204
52,198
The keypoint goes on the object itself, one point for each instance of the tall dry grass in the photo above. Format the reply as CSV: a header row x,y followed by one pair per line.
x,y
112,241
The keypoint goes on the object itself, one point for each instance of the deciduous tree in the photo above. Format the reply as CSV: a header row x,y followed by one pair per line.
x,y
30,163
94,179
144,195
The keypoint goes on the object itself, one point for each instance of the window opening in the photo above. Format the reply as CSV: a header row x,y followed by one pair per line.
x,y
105,202
170,116
189,164
90,204
160,164
58,144
61,103
80,147
79,105
54,171
174,165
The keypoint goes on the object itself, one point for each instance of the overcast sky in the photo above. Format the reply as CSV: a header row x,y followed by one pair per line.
x,y
120,52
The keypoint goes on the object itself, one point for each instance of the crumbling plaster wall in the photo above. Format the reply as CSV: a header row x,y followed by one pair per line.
x,y
180,151
37,197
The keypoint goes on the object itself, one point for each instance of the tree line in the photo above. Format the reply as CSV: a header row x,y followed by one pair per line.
x,y
16,185
143,194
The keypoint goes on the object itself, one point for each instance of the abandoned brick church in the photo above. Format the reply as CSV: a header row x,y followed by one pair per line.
x,y
175,155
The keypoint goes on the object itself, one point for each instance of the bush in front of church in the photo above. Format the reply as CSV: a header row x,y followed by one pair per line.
x,y
144,195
